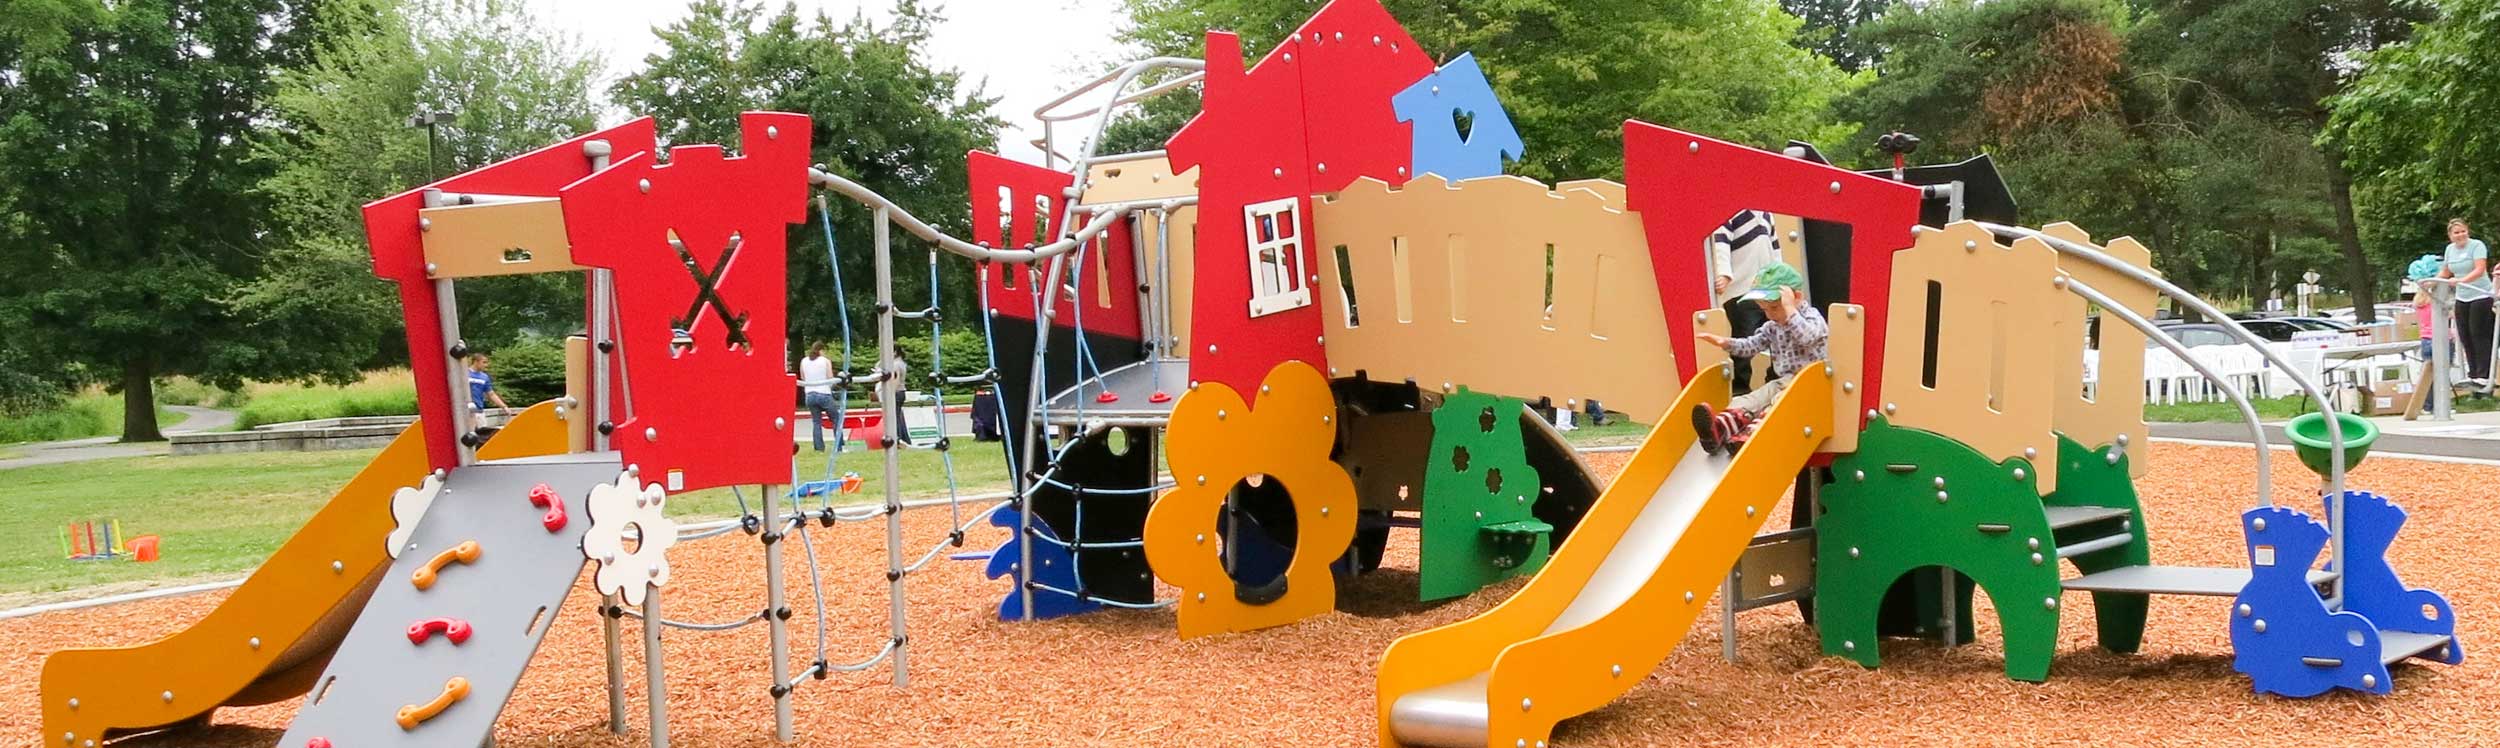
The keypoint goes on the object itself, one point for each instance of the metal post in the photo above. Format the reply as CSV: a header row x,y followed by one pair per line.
x,y
2443,392
890,385
456,375
603,345
1033,398
775,602
1945,621
608,613
654,675
1727,616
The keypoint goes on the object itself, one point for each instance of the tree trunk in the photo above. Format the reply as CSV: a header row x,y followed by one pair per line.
x,y
139,401
2357,276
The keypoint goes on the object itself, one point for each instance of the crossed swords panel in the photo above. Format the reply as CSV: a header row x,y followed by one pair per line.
x,y
707,294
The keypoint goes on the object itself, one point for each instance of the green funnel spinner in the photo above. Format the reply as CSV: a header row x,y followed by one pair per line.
x,y
2308,435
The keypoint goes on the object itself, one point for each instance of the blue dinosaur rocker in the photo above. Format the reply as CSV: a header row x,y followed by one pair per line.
x,y
2290,642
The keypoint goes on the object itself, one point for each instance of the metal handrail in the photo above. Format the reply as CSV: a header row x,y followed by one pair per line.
x,y
898,216
2334,426
1044,114
2248,412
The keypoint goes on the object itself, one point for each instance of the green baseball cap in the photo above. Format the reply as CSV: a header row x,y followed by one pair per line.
x,y
1774,276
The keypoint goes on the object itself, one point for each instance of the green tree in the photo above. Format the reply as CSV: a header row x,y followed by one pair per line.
x,y
2283,61
2418,130
125,135
1570,71
343,139
884,117
1833,29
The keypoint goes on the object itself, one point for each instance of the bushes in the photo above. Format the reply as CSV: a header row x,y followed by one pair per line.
x,y
530,371
383,393
68,419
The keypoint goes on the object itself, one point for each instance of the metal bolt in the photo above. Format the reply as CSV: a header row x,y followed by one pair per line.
x,y
645,186
338,567
73,703
2369,680
2127,525
1323,167
1688,596
1401,171
2049,602
772,132
2113,457
2030,453
1375,40
1327,419
1870,414
2018,474
425,224
2259,625
1940,497
1861,476
1202,538
2033,543
1202,597
1288,56
253,642
1219,415
1210,349
1939,481
1749,511
1202,480
651,434
1853,551
431,268
1618,671
1263,389
1835,187
2258,524
1849,646
2037,559
1525,704
1323,511
1809,432
2245,610
2059,282
1692,146
1279,172
781,423
169,697
1892,408
2122,440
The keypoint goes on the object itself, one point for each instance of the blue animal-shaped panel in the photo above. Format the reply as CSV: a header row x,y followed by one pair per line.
x,y
2370,584
1438,104
1057,570
2282,635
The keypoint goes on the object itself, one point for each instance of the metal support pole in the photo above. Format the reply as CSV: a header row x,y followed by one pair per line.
x,y
891,389
654,674
456,375
775,601
616,664
2443,392
1727,616
1952,602
1032,436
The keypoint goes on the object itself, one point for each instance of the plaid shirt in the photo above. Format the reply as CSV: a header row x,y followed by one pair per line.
x,y
1793,344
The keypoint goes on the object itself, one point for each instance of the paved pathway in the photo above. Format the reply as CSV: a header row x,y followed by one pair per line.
x,y
105,447
2471,435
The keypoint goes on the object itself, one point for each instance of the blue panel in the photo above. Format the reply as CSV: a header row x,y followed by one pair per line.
x,y
1058,571
2370,584
1434,103
2303,649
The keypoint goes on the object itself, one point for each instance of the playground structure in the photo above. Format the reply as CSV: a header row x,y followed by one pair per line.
x,y
1359,353
103,540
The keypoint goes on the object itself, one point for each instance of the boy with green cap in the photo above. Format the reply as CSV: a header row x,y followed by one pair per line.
x,y
1795,335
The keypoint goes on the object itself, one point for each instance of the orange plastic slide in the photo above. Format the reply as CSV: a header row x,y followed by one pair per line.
x,y
272,637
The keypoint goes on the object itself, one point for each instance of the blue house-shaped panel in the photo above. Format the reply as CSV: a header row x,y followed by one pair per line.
x,y
1438,103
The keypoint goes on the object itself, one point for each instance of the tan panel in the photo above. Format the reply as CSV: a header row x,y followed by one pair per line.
x,y
1183,222
510,238
1147,178
1845,352
1705,355
1609,189
2115,413
1993,389
1604,337
1791,230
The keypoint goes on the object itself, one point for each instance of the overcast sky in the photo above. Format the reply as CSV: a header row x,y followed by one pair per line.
x,y
1026,51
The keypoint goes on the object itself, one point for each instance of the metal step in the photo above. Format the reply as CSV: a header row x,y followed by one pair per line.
x,y
2096,544
2176,580
2062,517
1134,387
2398,645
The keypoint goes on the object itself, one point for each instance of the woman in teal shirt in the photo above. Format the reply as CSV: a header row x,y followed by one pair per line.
x,y
2467,263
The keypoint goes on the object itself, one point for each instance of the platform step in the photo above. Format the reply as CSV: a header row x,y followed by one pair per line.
x,y
2062,517
2072,550
2176,580
2395,646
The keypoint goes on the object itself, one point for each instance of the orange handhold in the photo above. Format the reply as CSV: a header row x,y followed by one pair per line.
x,y
414,714
466,552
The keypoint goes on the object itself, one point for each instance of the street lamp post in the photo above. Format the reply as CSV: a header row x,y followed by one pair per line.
x,y
429,120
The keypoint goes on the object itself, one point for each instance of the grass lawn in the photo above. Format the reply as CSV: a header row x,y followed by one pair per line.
x,y
388,392
91,413
219,515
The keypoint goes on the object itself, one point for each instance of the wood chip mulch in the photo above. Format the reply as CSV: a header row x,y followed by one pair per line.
x,y
1124,678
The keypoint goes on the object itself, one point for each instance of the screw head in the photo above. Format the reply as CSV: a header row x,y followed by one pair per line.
x,y
1861,475
2018,474
1892,408
644,185
1939,481
2037,559
651,434
1618,671
2245,610
1849,646
2049,602
1688,596
1835,187
2369,680
781,423
2258,524
2031,453
1853,551
2034,543
73,703
772,132
2259,625
338,566
1692,146
254,642
169,697
1940,497
425,224
1526,704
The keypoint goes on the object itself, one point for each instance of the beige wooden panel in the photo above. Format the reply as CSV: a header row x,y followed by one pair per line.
x,y
1475,263
577,392
1183,225
1993,388
1147,178
1846,353
1791,231
509,238
1705,355
2116,411
1609,189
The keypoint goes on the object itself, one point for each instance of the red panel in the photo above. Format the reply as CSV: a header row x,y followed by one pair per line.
x,y
1686,185
399,257
1032,200
1357,58
714,413
1248,145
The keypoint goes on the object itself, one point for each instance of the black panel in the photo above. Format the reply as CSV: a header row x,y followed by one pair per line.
x,y
1111,573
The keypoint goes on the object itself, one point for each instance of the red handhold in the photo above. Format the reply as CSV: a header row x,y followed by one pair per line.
x,y
451,628
317,743
1107,396
1159,397
544,497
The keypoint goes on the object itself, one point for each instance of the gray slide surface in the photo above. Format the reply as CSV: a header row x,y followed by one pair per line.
x,y
509,597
